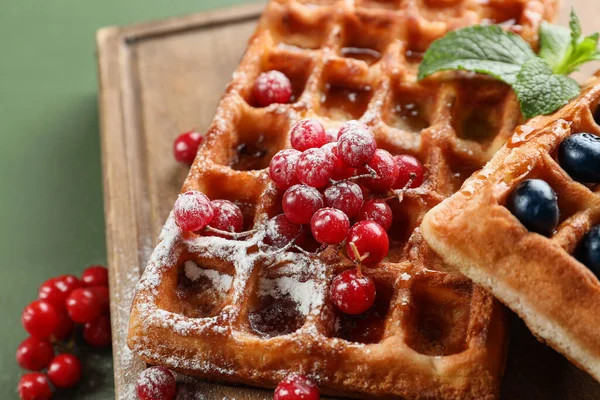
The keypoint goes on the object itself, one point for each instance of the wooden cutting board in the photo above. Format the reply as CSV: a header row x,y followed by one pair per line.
x,y
162,78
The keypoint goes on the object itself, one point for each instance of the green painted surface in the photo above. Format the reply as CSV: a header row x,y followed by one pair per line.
x,y
51,215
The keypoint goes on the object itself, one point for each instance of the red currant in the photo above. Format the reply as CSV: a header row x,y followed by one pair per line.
x,y
40,319
340,169
331,134
280,231
64,371
314,168
56,290
346,197
409,168
352,292
97,333
65,326
193,211
385,168
329,226
282,168
307,134
227,217
156,383
377,210
186,146
84,305
350,126
300,202
34,386
34,354
297,387
356,145
96,275
272,87
371,242
104,296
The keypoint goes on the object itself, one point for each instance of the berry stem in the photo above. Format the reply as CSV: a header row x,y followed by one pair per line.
x,y
399,193
358,257
372,174
232,235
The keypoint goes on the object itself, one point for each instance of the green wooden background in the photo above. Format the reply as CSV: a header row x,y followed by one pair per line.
x,y
51,215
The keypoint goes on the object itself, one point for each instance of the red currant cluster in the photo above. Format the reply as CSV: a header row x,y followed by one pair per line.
x,y
62,302
330,180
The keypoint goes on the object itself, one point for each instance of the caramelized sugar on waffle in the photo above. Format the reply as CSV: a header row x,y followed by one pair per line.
x,y
554,290
233,310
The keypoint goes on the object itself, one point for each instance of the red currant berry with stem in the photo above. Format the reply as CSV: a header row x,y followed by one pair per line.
x,y
65,326
409,168
307,134
34,386
352,292
369,240
193,211
344,196
96,275
385,169
377,210
329,226
64,371
272,87
97,333
34,354
84,305
314,168
56,290
282,168
40,319
297,387
300,202
156,383
340,169
186,146
227,217
280,231
356,146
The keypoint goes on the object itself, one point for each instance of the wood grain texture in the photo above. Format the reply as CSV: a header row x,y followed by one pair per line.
x,y
161,78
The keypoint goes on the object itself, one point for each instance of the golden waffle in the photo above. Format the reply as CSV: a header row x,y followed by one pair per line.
x,y
536,276
230,310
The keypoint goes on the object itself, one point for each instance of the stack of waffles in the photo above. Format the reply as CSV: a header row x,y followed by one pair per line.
x,y
233,310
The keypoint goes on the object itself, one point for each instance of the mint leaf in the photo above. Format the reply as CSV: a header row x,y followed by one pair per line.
x,y
540,91
555,41
575,25
485,49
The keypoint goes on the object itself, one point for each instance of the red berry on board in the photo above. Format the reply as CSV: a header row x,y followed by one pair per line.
x,y
344,196
98,333
329,226
96,275
56,290
300,202
356,144
40,319
314,168
84,305
34,386
156,383
297,387
352,292
282,168
307,134
64,371
227,217
371,242
280,231
65,326
104,296
34,354
409,168
272,87
384,167
340,169
186,146
193,211
377,210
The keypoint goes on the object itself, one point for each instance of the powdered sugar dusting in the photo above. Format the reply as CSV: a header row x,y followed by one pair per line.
x,y
221,282
304,294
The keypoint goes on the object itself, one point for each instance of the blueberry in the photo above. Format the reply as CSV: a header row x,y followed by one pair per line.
x,y
534,203
579,156
588,251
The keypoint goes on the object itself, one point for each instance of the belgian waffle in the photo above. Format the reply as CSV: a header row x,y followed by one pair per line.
x,y
230,310
536,276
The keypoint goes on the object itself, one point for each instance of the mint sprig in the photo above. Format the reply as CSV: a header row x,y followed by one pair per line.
x,y
539,81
